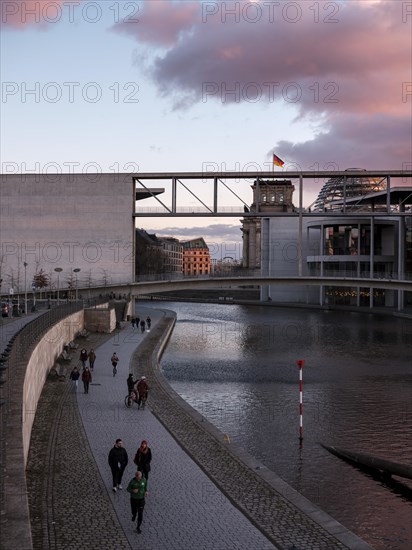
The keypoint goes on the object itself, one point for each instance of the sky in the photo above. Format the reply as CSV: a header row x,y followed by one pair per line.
x,y
161,86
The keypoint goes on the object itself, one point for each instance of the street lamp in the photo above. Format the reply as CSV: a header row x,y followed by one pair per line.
x,y
58,270
76,270
25,287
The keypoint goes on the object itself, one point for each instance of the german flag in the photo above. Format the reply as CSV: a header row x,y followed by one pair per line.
x,y
277,161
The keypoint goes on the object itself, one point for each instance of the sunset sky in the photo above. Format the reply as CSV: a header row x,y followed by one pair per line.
x,y
178,85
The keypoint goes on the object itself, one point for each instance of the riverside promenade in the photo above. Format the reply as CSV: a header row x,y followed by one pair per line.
x,y
69,480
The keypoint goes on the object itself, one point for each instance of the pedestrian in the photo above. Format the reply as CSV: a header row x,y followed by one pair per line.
x,y
148,322
92,358
86,378
130,384
143,458
133,321
142,325
137,322
138,491
74,377
118,460
142,392
114,359
83,357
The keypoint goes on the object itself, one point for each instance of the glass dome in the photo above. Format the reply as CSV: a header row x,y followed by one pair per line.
x,y
332,194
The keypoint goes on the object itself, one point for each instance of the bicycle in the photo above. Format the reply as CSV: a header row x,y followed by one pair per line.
x,y
114,369
130,399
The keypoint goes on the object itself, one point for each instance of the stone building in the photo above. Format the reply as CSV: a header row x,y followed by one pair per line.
x,y
268,196
196,257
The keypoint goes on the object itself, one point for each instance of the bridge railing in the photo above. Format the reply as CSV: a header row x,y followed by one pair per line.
x,y
257,273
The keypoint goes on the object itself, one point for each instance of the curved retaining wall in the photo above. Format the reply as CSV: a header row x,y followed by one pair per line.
x,y
41,360
25,384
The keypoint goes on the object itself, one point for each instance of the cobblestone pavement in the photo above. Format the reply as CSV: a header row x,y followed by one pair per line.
x,y
69,506
186,509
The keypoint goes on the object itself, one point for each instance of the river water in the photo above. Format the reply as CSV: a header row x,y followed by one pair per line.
x,y
237,365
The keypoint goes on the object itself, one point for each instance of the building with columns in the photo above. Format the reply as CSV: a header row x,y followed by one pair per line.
x,y
268,196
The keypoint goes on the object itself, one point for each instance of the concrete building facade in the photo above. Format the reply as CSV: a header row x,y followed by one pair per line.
x,y
71,222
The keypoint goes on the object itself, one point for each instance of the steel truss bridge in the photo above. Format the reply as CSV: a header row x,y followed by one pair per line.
x,y
209,191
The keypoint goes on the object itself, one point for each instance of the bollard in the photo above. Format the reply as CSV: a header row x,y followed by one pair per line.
x,y
300,363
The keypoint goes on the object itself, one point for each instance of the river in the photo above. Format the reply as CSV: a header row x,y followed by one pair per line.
x,y
237,366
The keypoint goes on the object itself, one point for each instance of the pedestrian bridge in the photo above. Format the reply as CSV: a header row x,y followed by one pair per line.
x,y
151,287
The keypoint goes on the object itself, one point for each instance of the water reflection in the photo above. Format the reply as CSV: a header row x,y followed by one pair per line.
x,y
237,365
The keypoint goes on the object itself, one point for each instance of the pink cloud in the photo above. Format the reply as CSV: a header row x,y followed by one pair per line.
x,y
358,64
20,14
376,141
162,22
354,75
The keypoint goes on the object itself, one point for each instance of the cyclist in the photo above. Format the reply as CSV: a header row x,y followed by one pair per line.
x,y
142,390
114,361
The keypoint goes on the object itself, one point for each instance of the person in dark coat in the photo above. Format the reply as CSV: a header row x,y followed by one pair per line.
x,y
142,325
130,383
74,377
143,458
118,460
148,322
92,358
83,357
86,379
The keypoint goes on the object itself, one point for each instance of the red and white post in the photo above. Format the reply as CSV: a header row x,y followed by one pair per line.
x,y
300,363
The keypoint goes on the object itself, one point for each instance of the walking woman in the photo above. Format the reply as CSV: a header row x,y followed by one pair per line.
x,y
143,458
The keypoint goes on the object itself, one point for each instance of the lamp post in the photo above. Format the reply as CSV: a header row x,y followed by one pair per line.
x,y
76,270
25,287
58,270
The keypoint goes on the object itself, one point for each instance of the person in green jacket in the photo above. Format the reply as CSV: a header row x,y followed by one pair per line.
x,y
138,491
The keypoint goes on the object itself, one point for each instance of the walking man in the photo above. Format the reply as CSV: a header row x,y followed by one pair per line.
x,y
74,377
92,358
118,460
138,491
86,378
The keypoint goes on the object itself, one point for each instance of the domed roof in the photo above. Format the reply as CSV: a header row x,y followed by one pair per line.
x,y
334,191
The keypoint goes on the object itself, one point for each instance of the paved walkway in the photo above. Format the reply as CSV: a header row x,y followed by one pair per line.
x,y
184,509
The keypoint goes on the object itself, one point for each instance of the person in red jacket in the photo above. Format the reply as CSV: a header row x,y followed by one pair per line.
x,y
142,391
86,378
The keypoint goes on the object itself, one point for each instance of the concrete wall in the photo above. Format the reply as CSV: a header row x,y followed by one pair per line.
x,y
280,258
41,361
100,320
69,221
